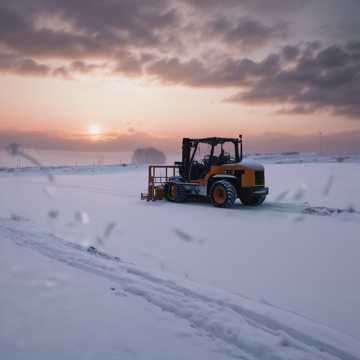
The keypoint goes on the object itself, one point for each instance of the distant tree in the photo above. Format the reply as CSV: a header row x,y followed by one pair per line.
x,y
148,156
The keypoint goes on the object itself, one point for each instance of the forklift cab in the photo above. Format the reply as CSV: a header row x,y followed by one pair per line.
x,y
221,151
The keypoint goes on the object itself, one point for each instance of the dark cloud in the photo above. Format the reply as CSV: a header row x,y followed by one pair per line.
x,y
229,73
247,33
254,5
84,28
327,79
31,67
13,64
139,20
22,37
297,110
290,52
332,57
91,29
22,66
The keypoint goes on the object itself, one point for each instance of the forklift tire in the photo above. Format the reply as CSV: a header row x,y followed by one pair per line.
x,y
252,200
175,192
223,194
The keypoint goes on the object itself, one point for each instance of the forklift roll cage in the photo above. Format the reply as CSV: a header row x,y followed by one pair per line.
x,y
190,147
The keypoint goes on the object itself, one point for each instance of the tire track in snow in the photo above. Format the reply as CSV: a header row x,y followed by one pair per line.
x,y
254,330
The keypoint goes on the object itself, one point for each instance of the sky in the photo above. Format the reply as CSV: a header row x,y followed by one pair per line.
x,y
119,74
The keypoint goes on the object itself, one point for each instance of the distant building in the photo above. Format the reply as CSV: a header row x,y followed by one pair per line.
x,y
148,156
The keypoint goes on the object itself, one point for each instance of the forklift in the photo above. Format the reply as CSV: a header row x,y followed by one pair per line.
x,y
221,175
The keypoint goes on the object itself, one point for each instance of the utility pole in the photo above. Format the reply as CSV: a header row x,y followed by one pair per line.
x,y
320,143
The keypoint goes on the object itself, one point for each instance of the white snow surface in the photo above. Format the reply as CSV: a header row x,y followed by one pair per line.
x,y
88,270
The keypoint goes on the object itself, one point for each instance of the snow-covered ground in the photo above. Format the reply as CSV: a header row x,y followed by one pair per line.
x,y
300,158
65,158
88,270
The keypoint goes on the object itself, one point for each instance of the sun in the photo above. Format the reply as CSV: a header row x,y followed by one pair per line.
x,y
94,130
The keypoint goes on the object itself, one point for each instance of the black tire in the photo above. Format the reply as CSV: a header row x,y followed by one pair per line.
x,y
223,194
175,192
252,200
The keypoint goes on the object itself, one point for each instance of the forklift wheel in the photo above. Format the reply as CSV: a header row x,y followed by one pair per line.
x,y
223,194
175,192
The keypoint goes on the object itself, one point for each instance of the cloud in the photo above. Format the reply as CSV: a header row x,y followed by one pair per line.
x,y
325,79
300,79
247,33
84,28
89,29
22,66
31,67
254,5
79,35
139,20
229,73
296,110
290,53
13,64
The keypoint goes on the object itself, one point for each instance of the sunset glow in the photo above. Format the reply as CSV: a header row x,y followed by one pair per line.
x,y
94,131
234,67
